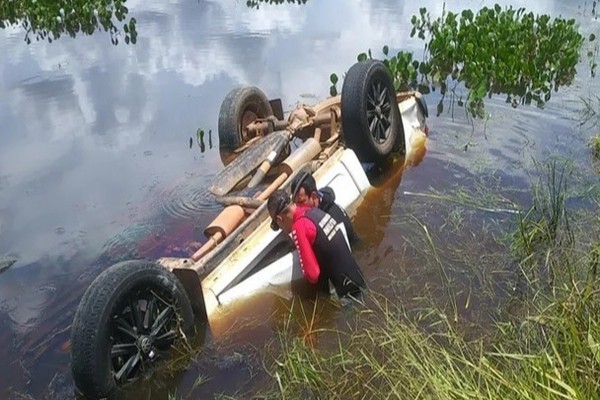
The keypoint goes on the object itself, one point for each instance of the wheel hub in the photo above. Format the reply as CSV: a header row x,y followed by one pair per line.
x,y
145,344
378,112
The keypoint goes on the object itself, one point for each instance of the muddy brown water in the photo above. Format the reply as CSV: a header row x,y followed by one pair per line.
x,y
96,167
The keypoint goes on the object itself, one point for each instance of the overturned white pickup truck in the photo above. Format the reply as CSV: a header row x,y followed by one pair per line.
x,y
134,311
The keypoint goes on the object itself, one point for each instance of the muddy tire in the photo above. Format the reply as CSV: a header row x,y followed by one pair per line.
x,y
240,107
127,321
371,121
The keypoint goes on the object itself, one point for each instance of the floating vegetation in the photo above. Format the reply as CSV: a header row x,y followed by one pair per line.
x,y
49,20
494,51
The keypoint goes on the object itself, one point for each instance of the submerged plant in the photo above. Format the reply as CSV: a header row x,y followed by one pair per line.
x,y
543,238
548,215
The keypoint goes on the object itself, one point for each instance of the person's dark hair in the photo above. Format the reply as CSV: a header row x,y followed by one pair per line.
x,y
278,201
304,181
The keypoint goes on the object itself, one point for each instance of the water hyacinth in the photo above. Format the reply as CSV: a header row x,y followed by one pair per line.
x,y
455,57
48,20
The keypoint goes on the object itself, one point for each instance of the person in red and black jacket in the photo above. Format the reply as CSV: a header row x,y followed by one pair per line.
x,y
322,247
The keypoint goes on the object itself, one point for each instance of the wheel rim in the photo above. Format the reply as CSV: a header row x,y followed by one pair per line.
x,y
144,327
379,112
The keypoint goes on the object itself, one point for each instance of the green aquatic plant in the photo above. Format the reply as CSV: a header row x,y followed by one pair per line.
x,y
542,224
543,240
50,19
595,146
494,51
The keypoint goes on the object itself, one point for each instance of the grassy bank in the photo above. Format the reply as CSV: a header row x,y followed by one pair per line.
x,y
551,354
544,342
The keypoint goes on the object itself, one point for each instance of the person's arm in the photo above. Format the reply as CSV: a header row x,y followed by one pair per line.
x,y
304,233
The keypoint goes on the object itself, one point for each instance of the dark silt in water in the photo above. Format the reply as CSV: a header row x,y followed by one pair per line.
x,y
96,167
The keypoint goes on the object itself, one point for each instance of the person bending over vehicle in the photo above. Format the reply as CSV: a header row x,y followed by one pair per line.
x,y
322,248
305,192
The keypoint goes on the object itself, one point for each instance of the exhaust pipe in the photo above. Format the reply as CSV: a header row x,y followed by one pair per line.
x,y
268,162
309,150
219,229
